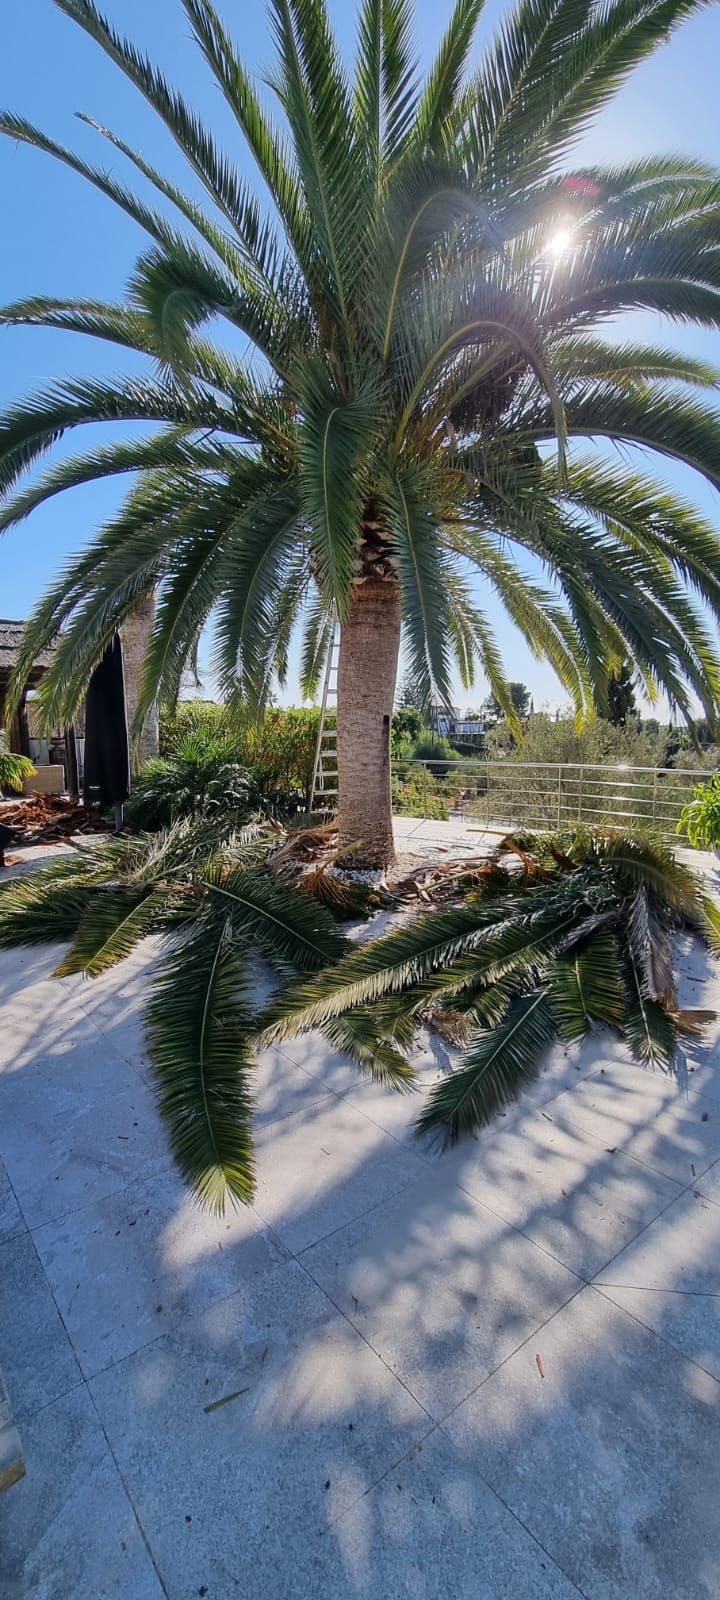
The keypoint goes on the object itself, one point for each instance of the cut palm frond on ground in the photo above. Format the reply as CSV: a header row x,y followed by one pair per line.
x,y
209,887
561,937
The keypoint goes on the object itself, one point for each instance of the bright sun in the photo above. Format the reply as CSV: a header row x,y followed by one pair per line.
x,y
560,243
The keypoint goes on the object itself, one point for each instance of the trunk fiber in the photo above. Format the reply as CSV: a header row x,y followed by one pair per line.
x,y
136,633
367,670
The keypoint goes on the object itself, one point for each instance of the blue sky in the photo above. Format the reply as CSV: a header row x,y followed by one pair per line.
x,y
60,237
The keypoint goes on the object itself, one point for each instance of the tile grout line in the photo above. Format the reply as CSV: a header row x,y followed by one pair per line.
x,y
511,1353
515,1517
683,1356
396,1378
591,1283
130,1501
641,1229
148,1177
84,1384
428,1164
649,1288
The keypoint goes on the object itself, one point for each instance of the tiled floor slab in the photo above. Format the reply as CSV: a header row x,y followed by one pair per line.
x,y
244,1434
645,1115
608,1456
561,1188
669,1278
63,1156
442,1288
37,1357
126,1268
11,1217
323,1167
67,1530
431,1529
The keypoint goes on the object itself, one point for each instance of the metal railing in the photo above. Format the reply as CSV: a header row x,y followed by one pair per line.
x,y
534,794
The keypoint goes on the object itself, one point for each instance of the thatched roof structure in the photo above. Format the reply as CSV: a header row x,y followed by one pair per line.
x,y
10,640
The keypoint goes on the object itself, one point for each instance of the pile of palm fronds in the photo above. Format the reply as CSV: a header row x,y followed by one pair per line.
x,y
212,887
548,940
45,818
555,939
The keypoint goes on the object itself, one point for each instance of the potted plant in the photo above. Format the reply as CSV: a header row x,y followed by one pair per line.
x,y
700,818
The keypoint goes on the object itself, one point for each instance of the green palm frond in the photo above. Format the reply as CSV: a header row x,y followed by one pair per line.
x,y
418,556
291,930
272,158
335,444
405,958
580,938
399,75
493,1067
445,75
586,986
199,1027
649,933
48,904
648,1028
211,166
116,920
318,635
260,539
359,1037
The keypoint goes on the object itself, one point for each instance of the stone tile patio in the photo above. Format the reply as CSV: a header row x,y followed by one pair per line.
x,y
489,1374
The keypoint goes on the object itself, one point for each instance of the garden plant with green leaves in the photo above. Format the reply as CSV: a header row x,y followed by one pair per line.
x,y
421,302
700,818
14,768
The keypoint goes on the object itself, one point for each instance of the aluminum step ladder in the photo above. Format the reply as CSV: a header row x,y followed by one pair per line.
x,y
324,791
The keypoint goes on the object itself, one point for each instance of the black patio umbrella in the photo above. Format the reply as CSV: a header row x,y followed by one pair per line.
x,y
107,747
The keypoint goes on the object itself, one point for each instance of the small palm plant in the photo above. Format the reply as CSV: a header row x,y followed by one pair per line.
x,y
201,775
14,769
220,895
577,936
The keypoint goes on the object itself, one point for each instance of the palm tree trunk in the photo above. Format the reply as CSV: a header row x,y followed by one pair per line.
x,y
136,633
367,671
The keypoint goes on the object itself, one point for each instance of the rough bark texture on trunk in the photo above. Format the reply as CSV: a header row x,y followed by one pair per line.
x,y
367,670
135,635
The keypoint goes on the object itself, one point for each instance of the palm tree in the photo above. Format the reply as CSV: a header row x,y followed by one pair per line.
x,y
420,296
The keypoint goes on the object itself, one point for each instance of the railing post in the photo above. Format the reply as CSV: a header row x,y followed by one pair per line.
x,y
559,795
654,799
580,787
425,792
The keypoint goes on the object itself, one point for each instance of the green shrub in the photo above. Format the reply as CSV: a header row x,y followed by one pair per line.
x,y
700,819
430,747
416,793
14,769
278,752
199,778
192,719
406,729
559,740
